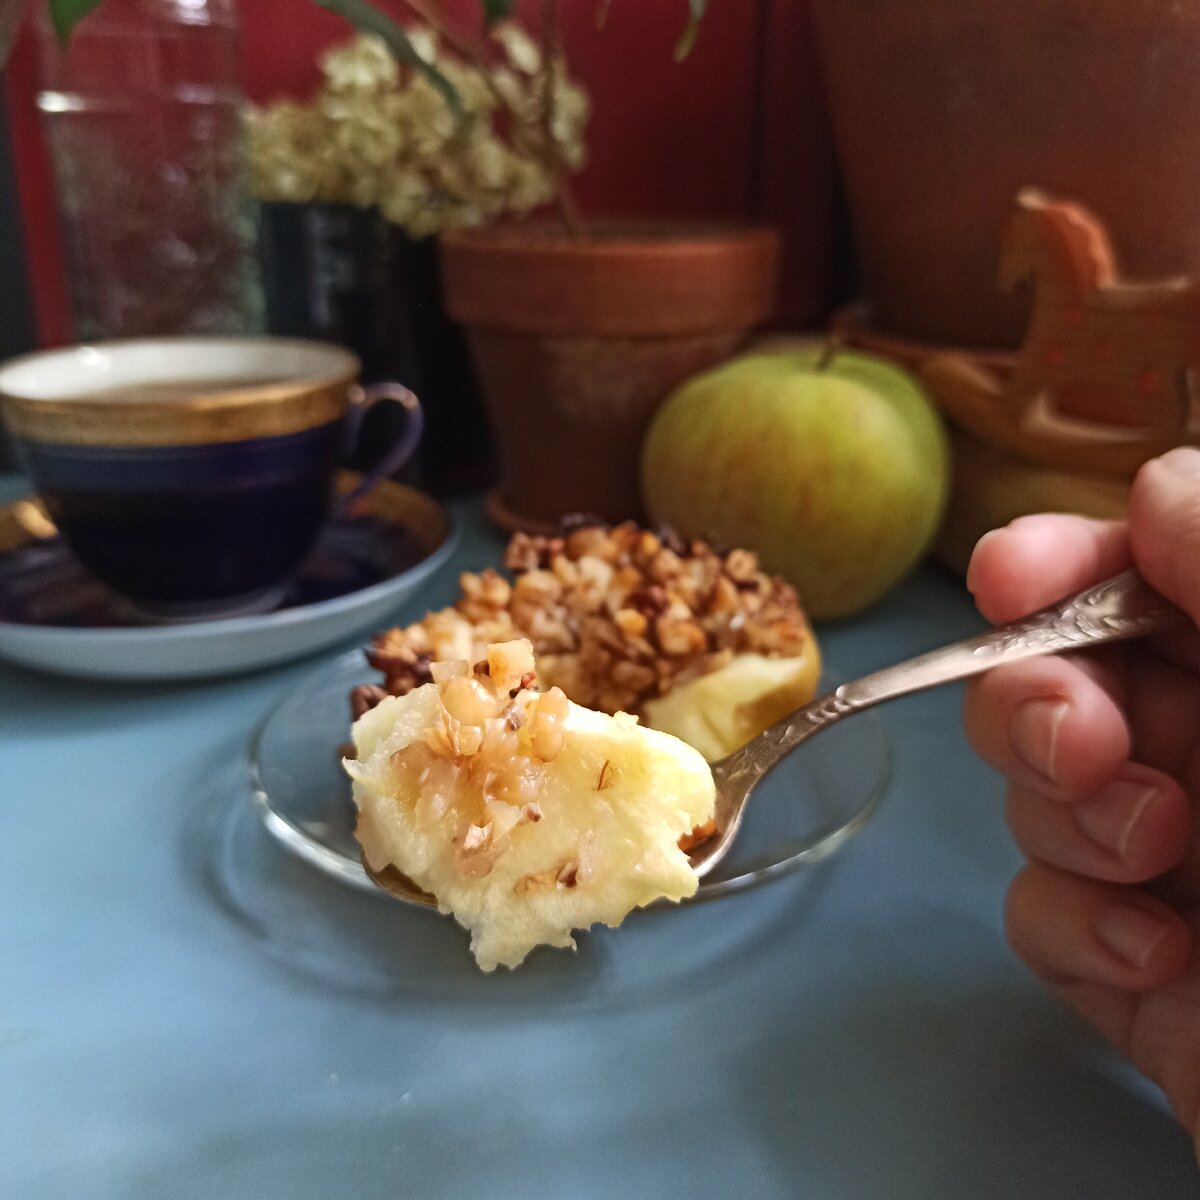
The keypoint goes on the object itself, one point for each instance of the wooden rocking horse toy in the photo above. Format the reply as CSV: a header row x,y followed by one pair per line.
x,y
1107,374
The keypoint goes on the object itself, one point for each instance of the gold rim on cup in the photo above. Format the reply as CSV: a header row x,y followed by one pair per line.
x,y
218,414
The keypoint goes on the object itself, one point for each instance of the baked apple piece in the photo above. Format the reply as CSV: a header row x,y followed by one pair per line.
x,y
697,643
524,815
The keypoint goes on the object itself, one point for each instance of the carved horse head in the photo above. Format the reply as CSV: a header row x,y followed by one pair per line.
x,y
1057,243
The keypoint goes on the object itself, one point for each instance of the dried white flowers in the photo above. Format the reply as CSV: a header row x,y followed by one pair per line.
x,y
377,134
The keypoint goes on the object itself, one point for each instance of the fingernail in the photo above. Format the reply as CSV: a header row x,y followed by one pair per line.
x,y
1110,816
1183,462
1033,734
1131,933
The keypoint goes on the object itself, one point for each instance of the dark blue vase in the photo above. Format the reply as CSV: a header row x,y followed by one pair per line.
x,y
346,275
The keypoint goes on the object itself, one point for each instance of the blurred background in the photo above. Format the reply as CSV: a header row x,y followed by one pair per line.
x,y
959,188
736,130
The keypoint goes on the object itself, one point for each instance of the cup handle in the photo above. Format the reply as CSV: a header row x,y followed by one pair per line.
x,y
362,399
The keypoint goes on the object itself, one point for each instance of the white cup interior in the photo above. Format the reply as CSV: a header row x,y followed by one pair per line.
x,y
104,366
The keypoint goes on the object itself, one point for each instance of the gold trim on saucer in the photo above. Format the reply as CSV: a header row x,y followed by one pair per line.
x,y
24,522
271,410
425,518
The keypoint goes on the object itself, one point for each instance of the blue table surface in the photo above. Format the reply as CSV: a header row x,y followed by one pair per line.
x,y
186,1011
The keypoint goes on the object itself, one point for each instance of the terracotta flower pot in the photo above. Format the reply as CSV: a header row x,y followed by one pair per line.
x,y
577,341
943,110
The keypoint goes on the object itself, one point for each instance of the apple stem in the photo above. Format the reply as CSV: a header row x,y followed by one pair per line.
x,y
833,343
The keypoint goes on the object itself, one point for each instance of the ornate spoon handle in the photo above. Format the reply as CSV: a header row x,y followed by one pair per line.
x,y
1122,607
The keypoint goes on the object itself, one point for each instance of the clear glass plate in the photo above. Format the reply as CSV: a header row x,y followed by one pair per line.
x,y
806,809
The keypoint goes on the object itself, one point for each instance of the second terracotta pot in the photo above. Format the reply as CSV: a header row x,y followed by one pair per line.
x,y
577,341
943,110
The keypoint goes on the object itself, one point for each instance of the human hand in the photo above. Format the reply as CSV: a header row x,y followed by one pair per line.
x,y
1102,755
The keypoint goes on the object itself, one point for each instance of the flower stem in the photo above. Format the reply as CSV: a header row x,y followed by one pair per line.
x,y
552,53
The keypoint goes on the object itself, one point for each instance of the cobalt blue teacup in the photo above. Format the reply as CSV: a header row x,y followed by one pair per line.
x,y
193,475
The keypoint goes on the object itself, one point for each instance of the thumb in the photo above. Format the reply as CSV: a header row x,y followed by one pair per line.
x,y
1164,526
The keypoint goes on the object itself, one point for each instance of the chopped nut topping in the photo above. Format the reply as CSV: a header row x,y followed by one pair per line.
x,y
701,833
616,615
741,565
605,778
630,622
546,739
539,879
365,697
476,837
476,759
679,636
568,875
475,853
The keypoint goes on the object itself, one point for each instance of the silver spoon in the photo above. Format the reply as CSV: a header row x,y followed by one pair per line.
x,y
1119,608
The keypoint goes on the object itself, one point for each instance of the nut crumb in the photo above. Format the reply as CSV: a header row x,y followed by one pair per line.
x,y
476,837
536,881
364,698
605,778
700,834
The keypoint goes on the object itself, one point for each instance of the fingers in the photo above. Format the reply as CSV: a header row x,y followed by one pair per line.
x,y
1040,559
1135,827
1164,526
1069,930
1109,840
1049,725
1163,703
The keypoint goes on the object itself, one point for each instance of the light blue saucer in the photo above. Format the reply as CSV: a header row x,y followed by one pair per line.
x,y
54,617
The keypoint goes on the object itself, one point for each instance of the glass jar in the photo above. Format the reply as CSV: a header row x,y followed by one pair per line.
x,y
143,110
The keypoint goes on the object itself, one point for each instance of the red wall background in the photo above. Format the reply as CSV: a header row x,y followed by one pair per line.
x,y
737,130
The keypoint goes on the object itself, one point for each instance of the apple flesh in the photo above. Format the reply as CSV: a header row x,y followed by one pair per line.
x,y
834,468
720,712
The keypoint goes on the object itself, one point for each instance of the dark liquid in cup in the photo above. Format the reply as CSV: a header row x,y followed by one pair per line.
x,y
173,526
175,547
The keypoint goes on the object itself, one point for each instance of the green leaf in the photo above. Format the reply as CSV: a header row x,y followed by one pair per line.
x,y
496,10
366,18
688,38
66,14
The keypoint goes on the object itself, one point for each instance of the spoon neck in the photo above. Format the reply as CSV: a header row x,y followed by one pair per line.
x,y
1118,608
760,754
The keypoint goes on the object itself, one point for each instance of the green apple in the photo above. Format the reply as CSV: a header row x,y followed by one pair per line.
x,y
833,466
